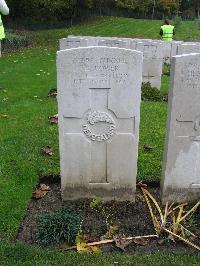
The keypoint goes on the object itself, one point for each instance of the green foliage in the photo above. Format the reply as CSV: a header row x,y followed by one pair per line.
x,y
166,69
13,42
58,227
60,10
177,21
150,94
96,202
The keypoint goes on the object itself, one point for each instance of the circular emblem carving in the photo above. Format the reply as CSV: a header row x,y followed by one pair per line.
x,y
99,126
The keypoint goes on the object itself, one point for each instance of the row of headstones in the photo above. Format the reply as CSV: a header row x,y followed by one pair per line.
x,y
99,94
155,52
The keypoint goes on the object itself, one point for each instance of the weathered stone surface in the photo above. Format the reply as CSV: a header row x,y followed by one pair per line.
x,y
99,91
167,47
188,48
73,42
153,62
181,167
174,50
113,43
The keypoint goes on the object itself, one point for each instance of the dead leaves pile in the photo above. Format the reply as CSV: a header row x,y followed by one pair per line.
x,y
41,191
47,150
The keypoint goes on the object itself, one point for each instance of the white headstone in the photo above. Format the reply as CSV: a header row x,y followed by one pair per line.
x,y
181,168
99,91
152,63
72,42
113,43
174,50
187,48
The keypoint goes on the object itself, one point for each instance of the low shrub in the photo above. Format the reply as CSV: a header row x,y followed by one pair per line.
x,y
58,227
177,21
150,94
14,42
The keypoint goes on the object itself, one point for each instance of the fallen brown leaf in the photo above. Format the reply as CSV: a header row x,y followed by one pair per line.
x,y
147,148
52,93
121,242
47,150
38,193
44,187
165,98
41,191
53,119
141,241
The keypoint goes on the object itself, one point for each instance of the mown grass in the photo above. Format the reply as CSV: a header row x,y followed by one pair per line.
x,y
25,80
21,255
114,26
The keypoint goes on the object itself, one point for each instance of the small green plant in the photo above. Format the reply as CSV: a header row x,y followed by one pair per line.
x,y
96,202
166,69
149,93
58,227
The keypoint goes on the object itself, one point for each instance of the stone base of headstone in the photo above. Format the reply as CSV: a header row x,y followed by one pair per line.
x,y
171,194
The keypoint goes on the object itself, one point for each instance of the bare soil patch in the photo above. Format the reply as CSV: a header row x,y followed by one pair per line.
x,y
132,219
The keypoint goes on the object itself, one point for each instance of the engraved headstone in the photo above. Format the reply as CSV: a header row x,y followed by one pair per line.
x,y
72,42
188,48
181,169
99,91
113,43
152,63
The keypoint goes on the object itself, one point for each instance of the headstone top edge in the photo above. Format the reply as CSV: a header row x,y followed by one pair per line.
x,y
185,55
98,48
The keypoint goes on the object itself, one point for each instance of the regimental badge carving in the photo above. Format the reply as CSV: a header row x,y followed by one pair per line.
x,y
100,126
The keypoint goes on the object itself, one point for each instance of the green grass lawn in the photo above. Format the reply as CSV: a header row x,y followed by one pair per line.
x,y
25,79
121,27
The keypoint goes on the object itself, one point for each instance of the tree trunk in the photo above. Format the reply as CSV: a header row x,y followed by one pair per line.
x,y
153,11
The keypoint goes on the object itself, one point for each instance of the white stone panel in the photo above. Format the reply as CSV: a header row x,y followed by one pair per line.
x,y
72,42
181,167
99,94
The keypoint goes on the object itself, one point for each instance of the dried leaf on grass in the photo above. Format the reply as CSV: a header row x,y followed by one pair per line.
x,y
53,119
47,150
41,191
52,93
3,115
147,148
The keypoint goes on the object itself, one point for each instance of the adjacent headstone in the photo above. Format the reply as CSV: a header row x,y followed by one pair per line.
x,y
152,63
181,169
73,42
113,43
167,47
174,48
99,91
188,48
